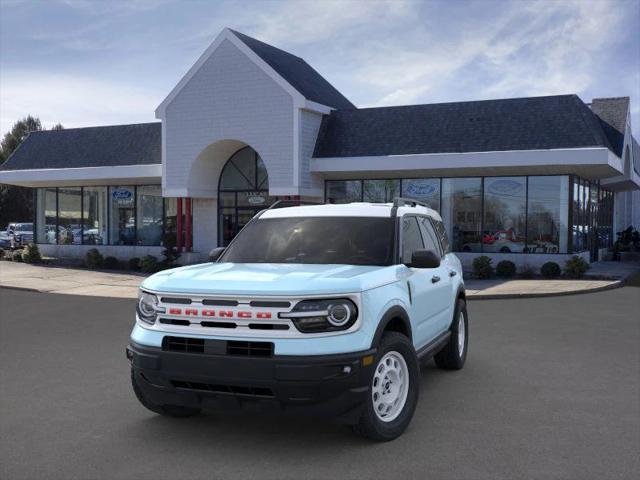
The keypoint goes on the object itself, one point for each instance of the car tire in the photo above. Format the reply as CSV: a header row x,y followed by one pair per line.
x,y
167,410
454,353
397,363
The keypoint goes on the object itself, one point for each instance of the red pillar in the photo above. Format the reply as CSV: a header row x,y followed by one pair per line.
x,y
179,225
188,232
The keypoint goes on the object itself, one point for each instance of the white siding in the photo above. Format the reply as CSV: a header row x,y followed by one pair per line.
x,y
229,97
205,225
309,126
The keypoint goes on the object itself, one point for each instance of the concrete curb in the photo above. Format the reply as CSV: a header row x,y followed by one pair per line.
x,y
506,296
26,289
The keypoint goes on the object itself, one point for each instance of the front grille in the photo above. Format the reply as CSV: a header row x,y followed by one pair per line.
x,y
217,347
228,389
249,349
183,344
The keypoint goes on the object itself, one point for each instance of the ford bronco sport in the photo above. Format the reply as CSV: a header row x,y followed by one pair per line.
x,y
316,309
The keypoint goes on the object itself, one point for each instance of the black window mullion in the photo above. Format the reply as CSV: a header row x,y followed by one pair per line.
x,y
81,215
481,214
526,215
57,217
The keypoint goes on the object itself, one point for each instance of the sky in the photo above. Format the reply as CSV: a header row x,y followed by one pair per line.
x,y
85,63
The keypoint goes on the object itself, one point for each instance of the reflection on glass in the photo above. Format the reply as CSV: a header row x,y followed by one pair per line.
x,y
344,191
548,212
69,216
462,212
149,215
46,215
504,214
95,216
122,222
423,189
380,191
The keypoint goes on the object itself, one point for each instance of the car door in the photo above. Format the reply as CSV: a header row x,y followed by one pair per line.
x,y
424,285
445,272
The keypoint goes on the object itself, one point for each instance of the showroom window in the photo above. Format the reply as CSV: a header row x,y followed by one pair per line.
x,y
504,215
46,215
462,213
516,214
122,221
547,217
380,191
344,191
122,215
94,208
149,215
69,216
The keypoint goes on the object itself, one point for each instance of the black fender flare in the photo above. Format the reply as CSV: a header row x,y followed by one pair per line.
x,y
460,295
394,312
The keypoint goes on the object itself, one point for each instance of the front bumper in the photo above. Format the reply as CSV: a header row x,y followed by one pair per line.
x,y
327,385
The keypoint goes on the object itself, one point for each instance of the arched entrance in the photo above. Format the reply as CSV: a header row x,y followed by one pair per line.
x,y
242,192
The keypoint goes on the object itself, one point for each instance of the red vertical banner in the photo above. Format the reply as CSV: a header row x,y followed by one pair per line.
x,y
188,232
179,224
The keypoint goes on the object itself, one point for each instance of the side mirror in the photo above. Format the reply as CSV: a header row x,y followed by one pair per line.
x,y
424,259
214,254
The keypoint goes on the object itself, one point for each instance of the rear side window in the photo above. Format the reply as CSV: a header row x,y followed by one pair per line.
x,y
442,233
430,238
411,238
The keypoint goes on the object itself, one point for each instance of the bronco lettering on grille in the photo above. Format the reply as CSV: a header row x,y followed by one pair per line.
x,y
209,313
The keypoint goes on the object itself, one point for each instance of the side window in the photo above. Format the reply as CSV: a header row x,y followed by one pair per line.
x,y
429,236
442,233
411,238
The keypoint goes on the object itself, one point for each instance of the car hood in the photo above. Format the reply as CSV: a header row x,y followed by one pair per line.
x,y
270,279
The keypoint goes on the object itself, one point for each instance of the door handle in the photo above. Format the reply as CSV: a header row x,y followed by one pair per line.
x,y
435,279
453,273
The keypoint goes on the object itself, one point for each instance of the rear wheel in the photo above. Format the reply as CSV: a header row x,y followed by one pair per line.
x,y
168,410
393,390
454,354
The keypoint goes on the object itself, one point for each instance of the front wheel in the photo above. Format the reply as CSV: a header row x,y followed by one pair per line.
x,y
393,390
454,354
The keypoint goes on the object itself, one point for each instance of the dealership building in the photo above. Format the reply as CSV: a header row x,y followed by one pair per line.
x,y
526,179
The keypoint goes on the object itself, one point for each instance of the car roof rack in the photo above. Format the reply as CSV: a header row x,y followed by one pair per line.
x,y
406,202
291,203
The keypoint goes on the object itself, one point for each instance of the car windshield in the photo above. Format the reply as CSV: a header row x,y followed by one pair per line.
x,y
320,240
24,227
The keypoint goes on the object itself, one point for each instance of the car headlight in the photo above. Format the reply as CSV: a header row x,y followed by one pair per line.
x,y
148,307
315,316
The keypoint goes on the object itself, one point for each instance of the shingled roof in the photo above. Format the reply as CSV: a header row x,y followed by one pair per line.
x,y
298,73
116,145
612,113
534,123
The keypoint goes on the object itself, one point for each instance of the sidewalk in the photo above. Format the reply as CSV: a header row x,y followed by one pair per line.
x,y
78,281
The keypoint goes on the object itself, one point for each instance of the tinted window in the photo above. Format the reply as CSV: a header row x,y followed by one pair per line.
x,y
324,240
411,238
429,236
442,233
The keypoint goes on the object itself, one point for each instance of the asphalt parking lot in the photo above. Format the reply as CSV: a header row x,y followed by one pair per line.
x,y
551,390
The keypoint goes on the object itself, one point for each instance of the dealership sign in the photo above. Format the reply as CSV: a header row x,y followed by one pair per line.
x,y
505,187
421,188
122,196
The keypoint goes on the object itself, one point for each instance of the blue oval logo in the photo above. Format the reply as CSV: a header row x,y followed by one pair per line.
x,y
421,189
122,194
505,187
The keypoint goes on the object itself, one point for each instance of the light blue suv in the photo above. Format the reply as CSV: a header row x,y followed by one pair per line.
x,y
320,310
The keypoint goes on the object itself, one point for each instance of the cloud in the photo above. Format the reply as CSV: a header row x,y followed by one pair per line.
x,y
73,101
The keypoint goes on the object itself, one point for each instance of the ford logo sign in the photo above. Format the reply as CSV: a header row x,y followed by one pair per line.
x,y
122,194
256,200
505,187
421,189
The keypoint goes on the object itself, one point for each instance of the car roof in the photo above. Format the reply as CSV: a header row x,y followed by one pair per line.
x,y
355,209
